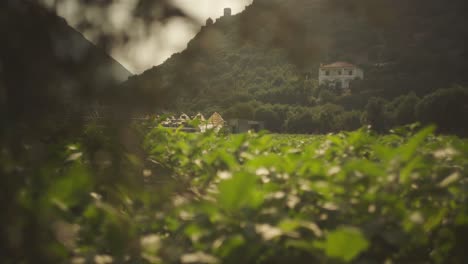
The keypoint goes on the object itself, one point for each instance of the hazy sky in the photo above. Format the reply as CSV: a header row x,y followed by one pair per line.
x,y
152,44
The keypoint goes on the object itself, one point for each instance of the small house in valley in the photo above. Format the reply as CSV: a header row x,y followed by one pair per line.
x,y
339,74
214,122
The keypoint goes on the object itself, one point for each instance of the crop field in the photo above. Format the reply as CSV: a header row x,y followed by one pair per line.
x,y
349,197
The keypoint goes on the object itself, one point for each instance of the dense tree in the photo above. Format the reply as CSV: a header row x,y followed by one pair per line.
x,y
303,122
349,120
272,120
402,110
327,117
326,96
244,110
447,108
375,114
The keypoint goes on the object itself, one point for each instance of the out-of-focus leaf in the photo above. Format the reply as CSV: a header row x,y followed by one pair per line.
x,y
239,191
409,149
198,257
230,244
452,178
345,243
71,188
74,156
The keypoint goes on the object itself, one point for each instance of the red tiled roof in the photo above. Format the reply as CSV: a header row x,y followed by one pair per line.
x,y
338,64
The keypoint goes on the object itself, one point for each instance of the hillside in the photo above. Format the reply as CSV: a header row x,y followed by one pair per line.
x,y
48,69
270,54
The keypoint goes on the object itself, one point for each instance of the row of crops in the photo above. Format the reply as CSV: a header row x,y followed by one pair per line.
x,y
349,197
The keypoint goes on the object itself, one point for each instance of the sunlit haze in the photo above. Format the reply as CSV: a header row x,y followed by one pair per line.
x,y
147,48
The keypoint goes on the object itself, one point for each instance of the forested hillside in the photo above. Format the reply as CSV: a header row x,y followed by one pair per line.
x,y
263,64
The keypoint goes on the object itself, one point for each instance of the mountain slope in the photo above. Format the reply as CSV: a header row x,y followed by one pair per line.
x,y
271,52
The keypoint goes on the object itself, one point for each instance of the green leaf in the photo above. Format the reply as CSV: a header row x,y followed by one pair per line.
x,y
231,244
71,188
239,191
345,243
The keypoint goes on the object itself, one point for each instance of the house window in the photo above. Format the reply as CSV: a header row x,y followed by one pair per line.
x,y
350,72
327,73
339,72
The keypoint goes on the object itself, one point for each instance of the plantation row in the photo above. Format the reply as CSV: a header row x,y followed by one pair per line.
x,y
350,197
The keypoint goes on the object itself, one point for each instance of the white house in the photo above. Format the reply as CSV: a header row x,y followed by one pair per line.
x,y
339,74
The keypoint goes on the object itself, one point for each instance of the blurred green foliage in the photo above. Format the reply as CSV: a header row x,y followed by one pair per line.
x,y
352,197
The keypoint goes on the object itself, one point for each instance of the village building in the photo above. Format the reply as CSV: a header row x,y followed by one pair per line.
x,y
199,117
184,117
339,74
182,123
196,123
215,122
